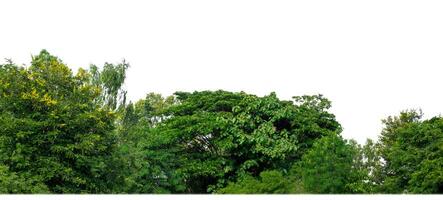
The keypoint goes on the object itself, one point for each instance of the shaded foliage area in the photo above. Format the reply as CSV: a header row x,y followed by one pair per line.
x,y
268,182
328,166
75,133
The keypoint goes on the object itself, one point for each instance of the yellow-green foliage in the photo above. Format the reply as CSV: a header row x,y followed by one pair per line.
x,y
53,131
66,133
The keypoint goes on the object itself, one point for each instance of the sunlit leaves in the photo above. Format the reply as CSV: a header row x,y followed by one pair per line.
x,y
110,80
51,127
412,150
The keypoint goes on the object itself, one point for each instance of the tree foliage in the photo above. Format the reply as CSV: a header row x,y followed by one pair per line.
x,y
110,80
212,138
328,167
269,182
412,149
74,133
51,129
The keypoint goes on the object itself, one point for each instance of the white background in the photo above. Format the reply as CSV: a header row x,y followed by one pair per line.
x,y
371,58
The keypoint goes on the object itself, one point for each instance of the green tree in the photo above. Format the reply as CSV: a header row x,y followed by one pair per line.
x,y
138,125
372,166
328,167
52,129
411,149
212,138
110,80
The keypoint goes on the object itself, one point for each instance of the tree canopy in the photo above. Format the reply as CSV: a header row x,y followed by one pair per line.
x,y
412,149
65,132
52,130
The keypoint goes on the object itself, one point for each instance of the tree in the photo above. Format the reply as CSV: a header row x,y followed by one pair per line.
x,y
66,133
138,125
328,167
369,163
412,150
212,138
53,133
110,80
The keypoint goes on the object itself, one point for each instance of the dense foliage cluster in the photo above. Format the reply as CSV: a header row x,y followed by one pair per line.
x,y
74,133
